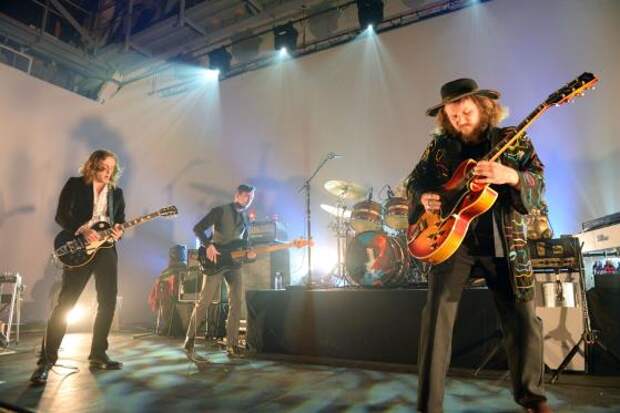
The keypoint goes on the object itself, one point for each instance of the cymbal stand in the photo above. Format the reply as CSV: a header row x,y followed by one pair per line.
x,y
341,229
306,189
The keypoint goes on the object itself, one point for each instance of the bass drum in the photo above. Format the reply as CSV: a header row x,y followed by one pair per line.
x,y
374,259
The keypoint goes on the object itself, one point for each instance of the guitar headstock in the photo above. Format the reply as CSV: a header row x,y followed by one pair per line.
x,y
168,211
572,90
302,242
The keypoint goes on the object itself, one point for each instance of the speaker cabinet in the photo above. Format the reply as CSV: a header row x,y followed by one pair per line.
x,y
562,326
260,274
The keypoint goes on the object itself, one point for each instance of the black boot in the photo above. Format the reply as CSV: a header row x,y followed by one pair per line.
x,y
40,374
104,363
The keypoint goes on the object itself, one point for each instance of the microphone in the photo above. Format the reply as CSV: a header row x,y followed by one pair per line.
x,y
370,194
390,193
333,155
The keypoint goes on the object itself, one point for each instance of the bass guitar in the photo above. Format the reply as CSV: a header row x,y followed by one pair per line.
x,y
437,235
234,254
74,251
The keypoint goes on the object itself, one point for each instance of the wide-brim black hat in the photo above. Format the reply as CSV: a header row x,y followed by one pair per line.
x,y
458,89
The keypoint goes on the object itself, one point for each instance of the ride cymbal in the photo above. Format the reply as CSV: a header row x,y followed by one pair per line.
x,y
345,189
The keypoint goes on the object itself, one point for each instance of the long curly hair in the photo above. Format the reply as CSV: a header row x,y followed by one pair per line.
x,y
91,166
491,114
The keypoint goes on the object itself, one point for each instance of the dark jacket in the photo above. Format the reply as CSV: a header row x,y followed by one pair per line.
x,y
75,205
227,225
438,163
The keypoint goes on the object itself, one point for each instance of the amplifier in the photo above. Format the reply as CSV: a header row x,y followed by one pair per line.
x,y
562,318
551,263
189,285
554,253
268,231
605,221
10,277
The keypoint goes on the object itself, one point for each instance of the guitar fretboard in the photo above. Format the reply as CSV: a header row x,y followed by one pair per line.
x,y
264,249
563,95
129,224
509,140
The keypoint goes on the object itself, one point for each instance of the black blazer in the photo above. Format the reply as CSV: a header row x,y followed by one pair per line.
x,y
75,206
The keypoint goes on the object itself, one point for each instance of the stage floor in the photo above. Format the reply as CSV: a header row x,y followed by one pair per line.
x,y
157,376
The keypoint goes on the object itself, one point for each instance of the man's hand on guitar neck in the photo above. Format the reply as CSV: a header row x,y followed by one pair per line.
x,y
212,253
495,173
117,232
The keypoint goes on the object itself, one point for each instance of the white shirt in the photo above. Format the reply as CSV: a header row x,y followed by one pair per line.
x,y
100,209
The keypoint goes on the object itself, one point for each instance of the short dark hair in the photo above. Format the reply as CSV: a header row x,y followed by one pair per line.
x,y
245,188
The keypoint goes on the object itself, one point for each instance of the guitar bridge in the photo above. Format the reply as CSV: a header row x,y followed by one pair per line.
x,y
74,246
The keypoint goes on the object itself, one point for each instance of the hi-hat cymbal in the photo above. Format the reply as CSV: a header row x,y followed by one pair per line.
x,y
336,211
345,190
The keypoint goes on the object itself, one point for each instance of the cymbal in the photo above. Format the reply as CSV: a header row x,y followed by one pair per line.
x,y
337,211
345,190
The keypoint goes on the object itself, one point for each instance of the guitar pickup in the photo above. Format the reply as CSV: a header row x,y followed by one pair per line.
x,y
74,246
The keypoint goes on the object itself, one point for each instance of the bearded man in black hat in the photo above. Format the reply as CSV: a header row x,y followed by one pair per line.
x,y
495,245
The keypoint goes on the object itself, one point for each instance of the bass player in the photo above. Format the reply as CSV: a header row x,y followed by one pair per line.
x,y
223,225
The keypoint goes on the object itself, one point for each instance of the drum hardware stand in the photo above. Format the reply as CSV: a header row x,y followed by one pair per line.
x,y
14,306
497,335
341,230
160,311
589,337
306,187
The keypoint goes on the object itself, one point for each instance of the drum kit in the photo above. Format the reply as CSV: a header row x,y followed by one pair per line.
x,y
371,237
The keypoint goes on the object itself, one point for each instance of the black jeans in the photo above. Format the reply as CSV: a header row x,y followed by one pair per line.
x,y
522,330
104,268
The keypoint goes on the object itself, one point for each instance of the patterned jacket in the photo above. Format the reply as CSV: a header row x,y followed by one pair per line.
x,y
438,163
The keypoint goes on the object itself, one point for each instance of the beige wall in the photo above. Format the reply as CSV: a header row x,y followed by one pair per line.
x,y
271,127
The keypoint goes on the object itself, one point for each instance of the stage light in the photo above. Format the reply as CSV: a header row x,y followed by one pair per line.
x,y
210,74
328,259
285,37
75,314
283,52
369,13
219,59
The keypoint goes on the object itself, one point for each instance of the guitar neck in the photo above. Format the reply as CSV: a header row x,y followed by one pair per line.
x,y
262,249
564,95
133,222
508,141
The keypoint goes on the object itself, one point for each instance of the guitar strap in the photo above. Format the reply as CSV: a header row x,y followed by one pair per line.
x,y
111,204
246,233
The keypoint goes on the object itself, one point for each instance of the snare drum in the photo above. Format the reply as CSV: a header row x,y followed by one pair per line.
x,y
367,216
374,259
396,213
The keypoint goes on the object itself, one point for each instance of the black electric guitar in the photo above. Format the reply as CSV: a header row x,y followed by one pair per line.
x,y
233,254
74,251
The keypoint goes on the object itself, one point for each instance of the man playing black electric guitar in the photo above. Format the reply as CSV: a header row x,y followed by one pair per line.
x,y
223,225
84,201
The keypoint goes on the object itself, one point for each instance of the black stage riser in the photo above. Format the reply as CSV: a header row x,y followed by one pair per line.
x,y
371,325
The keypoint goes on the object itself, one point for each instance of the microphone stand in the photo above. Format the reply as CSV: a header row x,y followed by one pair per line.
x,y
306,187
